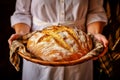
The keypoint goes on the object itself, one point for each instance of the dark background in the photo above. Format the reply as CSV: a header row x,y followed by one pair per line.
x,y
7,71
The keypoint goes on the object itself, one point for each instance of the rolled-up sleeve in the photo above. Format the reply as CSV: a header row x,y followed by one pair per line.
x,y
96,12
22,13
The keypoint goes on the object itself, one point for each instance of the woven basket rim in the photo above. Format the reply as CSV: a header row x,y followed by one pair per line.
x,y
53,63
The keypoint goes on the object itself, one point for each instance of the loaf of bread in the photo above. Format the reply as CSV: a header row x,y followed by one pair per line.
x,y
59,43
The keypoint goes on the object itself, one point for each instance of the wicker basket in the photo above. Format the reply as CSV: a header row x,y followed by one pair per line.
x,y
18,49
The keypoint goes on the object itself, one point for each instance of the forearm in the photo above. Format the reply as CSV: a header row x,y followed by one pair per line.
x,y
21,28
95,28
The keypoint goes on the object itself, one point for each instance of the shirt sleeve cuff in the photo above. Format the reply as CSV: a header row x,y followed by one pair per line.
x,y
96,17
20,19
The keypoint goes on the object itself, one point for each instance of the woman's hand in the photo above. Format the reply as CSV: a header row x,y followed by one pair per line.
x,y
20,30
102,39
13,37
96,29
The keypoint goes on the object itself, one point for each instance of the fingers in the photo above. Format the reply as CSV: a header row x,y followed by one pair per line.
x,y
105,43
103,39
13,37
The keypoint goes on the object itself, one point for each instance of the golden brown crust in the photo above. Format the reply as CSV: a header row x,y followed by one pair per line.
x,y
59,43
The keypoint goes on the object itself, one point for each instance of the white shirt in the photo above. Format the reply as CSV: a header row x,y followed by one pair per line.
x,y
39,13
57,11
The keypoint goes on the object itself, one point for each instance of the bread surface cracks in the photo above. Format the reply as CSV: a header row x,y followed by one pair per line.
x,y
59,43
60,40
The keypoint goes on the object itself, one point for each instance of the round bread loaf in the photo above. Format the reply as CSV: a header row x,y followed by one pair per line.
x,y
59,43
